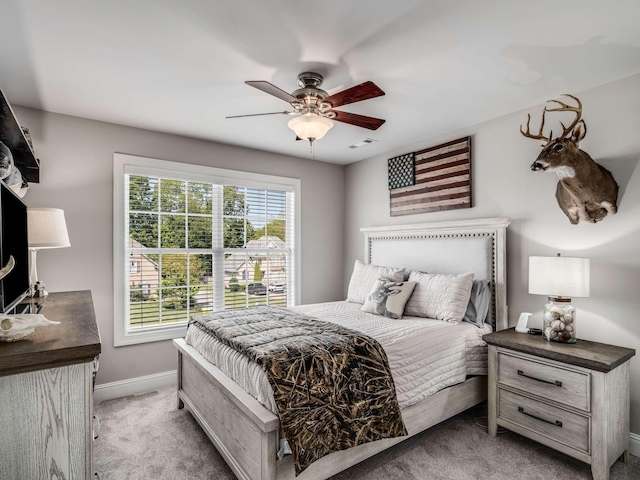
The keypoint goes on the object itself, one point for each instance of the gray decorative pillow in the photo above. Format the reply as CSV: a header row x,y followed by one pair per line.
x,y
479,303
388,298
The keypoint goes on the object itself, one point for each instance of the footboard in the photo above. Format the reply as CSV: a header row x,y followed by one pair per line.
x,y
244,431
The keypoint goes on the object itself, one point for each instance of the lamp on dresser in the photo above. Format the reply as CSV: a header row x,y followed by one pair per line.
x,y
560,278
46,228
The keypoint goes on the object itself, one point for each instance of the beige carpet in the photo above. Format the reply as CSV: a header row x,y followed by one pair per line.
x,y
146,437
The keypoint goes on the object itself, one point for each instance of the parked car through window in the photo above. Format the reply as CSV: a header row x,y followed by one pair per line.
x,y
257,289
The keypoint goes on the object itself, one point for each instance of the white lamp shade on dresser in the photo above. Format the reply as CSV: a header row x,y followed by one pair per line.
x,y
47,228
559,276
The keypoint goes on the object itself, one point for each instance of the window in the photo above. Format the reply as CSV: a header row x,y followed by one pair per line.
x,y
134,266
198,239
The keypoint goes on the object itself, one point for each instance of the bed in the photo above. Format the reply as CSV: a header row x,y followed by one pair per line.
x,y
246,432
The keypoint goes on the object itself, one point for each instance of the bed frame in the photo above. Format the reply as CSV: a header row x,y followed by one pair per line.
x,y
247,434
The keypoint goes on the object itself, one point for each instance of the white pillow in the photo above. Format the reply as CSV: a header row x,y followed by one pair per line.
x,y
443,297
364,277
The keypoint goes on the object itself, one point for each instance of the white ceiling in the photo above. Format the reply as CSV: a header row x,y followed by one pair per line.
x,y
179,66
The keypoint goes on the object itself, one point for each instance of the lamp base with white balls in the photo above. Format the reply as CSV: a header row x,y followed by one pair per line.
x,y
559,320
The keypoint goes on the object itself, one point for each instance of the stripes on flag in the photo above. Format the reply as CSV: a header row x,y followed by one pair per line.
x,y
442,180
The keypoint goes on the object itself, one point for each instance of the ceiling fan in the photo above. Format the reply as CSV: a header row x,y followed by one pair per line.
x,y
315,107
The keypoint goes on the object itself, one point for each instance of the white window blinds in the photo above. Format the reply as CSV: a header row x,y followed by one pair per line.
x,y
195,244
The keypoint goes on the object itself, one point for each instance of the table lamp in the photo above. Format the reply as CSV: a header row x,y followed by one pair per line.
x,y
560,278
46,228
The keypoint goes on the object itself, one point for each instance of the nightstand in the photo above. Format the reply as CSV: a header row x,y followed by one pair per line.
x,y
570,397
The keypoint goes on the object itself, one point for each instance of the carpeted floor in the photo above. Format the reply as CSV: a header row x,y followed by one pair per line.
x,y
146,437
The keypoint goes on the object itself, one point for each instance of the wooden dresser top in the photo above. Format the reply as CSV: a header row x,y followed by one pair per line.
x,y
593,355
75,340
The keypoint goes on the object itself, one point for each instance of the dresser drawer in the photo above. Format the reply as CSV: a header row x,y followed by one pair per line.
x,y
555,423
563,385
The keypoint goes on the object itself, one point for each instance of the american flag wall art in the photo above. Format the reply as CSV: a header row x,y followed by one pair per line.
x,y
433,179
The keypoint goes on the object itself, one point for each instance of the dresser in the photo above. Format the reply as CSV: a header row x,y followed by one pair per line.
x,y
46,394
574,398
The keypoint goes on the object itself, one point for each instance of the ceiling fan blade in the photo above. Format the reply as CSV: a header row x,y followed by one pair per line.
x,y
358,120
361,92
272,90
260,114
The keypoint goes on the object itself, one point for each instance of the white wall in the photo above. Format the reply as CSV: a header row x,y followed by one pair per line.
x,y
503,185
76,175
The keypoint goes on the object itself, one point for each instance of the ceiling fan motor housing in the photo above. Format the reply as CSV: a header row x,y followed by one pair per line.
x,y
310,79
309,83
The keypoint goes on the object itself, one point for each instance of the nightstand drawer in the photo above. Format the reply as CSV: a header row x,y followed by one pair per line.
x,y
566,386
555,423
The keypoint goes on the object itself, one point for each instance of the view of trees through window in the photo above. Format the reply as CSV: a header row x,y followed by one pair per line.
x,y
199,246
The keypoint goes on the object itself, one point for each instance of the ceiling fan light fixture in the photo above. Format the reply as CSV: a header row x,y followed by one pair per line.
x,y
310,126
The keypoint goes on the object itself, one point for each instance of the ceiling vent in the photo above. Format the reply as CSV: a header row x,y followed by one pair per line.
x,y
362,143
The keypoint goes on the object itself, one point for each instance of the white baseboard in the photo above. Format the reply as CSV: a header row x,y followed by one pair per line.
x,y
634,444
132,386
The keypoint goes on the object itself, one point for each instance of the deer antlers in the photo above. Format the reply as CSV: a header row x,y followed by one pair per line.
x,y
567,108
562,108
539,136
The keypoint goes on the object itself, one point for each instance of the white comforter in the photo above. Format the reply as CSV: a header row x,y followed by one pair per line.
x,y
425,355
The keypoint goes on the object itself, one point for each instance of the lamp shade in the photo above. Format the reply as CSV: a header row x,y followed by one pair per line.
x,y
310,126
559,276
47,228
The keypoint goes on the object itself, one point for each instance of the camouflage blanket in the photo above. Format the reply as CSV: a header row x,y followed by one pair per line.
x,y
332,385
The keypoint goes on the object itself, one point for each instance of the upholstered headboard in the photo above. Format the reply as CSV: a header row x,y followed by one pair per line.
x,y
477,246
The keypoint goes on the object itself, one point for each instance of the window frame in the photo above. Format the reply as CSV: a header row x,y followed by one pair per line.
x,y
136,165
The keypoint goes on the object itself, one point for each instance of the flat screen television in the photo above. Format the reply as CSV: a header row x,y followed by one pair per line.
x,y
13,243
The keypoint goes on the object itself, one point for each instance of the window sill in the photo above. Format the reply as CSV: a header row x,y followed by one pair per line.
x,y
148,335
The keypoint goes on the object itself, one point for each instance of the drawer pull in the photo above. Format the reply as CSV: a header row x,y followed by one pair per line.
x,y
557,383
96,427
557,423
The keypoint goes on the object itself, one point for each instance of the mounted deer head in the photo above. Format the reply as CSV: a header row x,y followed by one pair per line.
x,y
586,191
